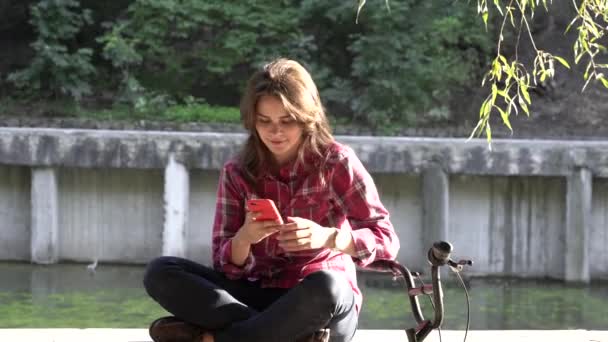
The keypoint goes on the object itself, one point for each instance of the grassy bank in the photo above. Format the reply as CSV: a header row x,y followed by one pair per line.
x,y
157,110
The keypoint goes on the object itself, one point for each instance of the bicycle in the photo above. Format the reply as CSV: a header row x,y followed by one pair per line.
x,y
438,256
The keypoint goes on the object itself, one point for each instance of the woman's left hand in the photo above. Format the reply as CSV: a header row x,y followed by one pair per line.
x,y
300,234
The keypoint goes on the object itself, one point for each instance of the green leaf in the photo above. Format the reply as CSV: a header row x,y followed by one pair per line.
x,y
604,82
361,4
562,61
510,12
505,118
482,109
524,91
570,25
497,4
585,45
513,107
586,74
497,69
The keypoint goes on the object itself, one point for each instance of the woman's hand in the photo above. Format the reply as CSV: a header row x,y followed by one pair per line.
x,y
254,231
300,234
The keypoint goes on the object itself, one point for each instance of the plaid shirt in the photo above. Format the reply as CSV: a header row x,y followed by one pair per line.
x,y
349,201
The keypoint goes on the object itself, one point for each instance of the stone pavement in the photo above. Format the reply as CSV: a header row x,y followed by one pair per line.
x,y
141,335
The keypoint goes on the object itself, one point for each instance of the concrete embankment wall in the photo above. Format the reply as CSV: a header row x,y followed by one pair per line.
x,y
525,208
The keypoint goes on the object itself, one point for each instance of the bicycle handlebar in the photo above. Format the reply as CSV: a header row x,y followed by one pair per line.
x,y
438,255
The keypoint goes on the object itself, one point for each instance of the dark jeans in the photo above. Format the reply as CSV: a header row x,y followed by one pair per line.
x,y
240,310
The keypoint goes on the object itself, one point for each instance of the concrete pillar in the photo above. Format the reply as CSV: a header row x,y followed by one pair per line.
x,y
177,193
435,205
578,221
45,222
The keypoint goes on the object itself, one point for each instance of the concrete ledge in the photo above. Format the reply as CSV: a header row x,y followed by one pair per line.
x,y
137,149
141,335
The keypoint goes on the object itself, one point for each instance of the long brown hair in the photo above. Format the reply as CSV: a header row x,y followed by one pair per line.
x,y
291,83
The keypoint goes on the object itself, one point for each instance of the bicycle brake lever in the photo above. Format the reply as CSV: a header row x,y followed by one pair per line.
x,y
458,266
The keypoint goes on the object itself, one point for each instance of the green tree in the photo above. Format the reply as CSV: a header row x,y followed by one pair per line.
x,y
438,50
387,81
186,46
59,66
152,54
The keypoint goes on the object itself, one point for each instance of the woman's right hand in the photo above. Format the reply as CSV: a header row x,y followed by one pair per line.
x,y
254,231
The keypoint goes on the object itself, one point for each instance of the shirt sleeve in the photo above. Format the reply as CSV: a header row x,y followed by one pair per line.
x,y
354,190
229,217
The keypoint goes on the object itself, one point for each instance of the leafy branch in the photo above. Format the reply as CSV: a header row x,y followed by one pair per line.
x,y
590,31
510,81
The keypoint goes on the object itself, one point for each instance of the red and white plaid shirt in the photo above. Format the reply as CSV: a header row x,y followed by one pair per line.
x,y
349,200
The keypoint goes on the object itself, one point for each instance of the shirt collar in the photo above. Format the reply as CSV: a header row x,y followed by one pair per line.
x,y
293,169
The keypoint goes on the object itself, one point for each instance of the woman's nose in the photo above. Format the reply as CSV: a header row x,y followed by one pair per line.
x,y
275,128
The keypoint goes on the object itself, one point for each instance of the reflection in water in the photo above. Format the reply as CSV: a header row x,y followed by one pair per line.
x,y
495,304
69,296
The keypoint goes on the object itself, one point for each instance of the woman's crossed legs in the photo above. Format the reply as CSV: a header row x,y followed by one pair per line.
x,y
240,310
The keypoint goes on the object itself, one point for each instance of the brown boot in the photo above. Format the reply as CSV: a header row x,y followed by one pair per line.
x,y
318,336
172,329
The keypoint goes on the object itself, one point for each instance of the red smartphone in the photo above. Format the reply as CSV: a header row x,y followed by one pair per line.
x,y
266,208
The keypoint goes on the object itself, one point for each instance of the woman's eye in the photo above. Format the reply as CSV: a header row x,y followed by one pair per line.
x,y
288,122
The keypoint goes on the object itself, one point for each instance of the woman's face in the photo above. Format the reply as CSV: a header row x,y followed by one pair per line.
x,y
281,133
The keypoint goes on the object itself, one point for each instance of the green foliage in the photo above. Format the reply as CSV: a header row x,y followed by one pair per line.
x,y
389,67
56,66
591,16
124,56
510,93
162,108
409,60
196,110
193,43
401,62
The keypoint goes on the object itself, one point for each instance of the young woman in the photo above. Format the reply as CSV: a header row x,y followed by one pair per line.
x,y
273,281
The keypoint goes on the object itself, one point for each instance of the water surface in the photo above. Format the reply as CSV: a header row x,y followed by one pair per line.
x,y
69,296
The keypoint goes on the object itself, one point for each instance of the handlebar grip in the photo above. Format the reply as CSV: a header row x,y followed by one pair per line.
x,y
381,266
